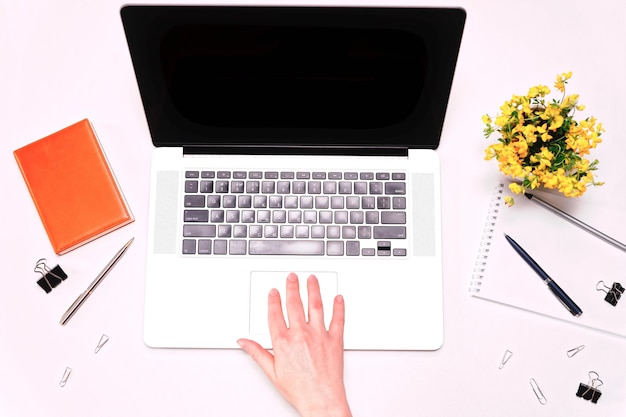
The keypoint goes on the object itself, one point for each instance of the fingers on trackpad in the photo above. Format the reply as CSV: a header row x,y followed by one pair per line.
x,y
261,282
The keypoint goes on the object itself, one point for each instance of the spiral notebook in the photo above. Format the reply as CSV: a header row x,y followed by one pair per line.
x,y
575,259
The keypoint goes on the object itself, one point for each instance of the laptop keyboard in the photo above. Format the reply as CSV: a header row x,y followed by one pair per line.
x,y
294,213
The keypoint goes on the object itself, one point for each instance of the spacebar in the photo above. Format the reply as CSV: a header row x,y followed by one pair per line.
x,y
292,247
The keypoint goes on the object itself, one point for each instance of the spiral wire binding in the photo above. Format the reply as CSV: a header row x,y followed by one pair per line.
x,y
486,239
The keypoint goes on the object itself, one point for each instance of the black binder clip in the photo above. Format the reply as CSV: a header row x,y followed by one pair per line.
x,y
590,391
50,278
613,293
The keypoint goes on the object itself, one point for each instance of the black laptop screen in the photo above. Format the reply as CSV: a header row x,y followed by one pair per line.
x,y
290,77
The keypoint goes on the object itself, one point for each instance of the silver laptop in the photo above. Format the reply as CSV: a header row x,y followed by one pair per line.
x,y
294,139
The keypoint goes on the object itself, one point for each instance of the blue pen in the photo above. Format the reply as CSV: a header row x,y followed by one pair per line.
x,y
556,290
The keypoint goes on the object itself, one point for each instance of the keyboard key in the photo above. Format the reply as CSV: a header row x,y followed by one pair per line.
x,y
232,216
299,187
286,231
263,216
194,200
353,248
366,176
207,174
376,187
229,201
368,251
224,230
244,201
318,232
314,187
330,187
191,186
356,217
257,175
335,175
393,217
383,203
337,202
291,201
237,187
353,202
302,232
333,232
321,202
341,217
199,230
371,217
389,232
219,247
319,176
294,216
290,247
204,247
268,187
334,248
287,175
271,175
248,216
360,188
213,201
252,187
351,176
240,175
240,230
348,232
398,203
283,187
221,187
365,232
306,202
310,217
217,216
223,174
256,231
398,176
260,201
395,188
368,202
279,216
303,175
192,174
276,201
399,252
196,216
237,247
382,176
325,217
189,246
206,186
270,231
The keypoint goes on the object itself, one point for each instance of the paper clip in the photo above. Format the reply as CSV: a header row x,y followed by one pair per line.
x,y
613,293
590,391
65,376
575,350
101,343
542,398
50,278
505,358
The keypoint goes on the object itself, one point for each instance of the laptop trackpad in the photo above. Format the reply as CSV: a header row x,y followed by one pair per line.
x,y
261,282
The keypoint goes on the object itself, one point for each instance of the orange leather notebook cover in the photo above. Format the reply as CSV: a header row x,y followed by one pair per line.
x,y
73,187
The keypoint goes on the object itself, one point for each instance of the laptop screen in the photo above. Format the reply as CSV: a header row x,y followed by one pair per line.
x,y
289,77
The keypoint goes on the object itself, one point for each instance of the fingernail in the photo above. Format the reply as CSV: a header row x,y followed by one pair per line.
x,y
339,298
273,292
292,277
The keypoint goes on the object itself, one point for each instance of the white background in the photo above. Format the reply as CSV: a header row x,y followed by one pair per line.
x,y
64,60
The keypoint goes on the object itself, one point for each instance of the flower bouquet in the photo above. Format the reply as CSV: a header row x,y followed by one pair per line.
x,y
541,145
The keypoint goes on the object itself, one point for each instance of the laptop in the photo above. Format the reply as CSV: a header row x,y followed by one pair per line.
x,y
293,139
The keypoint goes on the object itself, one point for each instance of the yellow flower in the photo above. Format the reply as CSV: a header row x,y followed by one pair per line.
x,y
541,144
561,80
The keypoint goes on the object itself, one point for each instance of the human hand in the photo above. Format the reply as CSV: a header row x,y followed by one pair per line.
x,y
306,366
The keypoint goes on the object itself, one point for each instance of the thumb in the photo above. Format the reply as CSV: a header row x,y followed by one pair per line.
x,y
262,357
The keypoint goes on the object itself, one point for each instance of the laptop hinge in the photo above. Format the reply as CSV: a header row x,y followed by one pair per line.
x,y
297,150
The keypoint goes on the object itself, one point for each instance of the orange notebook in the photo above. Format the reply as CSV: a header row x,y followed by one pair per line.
x,y
73,187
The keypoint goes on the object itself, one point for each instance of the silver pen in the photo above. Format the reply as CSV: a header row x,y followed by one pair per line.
x,y
574,220
83,297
